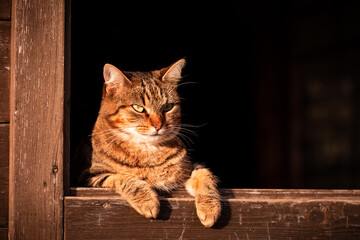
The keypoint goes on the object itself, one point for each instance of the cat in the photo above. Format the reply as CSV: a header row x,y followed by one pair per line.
x,y
136,148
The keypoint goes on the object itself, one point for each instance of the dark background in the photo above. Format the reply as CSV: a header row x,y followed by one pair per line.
x,y
276,82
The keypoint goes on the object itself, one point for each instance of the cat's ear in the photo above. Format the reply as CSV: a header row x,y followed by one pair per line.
x,y
114,78
173,72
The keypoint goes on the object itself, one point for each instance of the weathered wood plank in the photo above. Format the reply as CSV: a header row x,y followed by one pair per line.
x,y
5,9
269,194
247,214
3,233
36,120
4,175
4,70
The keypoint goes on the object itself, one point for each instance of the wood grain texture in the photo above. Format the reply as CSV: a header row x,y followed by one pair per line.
x,y
4,174
5,9
4,70
247,214
5,34
3,233
36,120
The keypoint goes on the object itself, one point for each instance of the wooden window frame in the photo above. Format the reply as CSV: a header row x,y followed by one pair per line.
x,y
42,205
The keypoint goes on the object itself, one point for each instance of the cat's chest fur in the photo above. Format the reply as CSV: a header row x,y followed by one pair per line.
x,y
164,167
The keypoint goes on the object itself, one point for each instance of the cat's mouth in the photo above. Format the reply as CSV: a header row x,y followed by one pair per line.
x,y
157,133
155,136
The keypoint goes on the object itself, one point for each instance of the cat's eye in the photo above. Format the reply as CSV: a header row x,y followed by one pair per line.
x,y
168,107
138,108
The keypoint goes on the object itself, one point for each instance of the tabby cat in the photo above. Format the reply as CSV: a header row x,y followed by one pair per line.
x,y
136,147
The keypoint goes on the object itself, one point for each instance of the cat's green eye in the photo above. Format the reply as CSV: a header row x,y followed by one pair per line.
x,y
138,108
168,107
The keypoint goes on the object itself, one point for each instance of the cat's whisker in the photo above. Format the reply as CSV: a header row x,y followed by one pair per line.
x,y
108,145
178,140
193,126
185,130
108,138
178,85
106,132
185,83
185,138
184,125
99,132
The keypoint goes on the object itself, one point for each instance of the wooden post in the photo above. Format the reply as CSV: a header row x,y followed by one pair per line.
x,y
36,120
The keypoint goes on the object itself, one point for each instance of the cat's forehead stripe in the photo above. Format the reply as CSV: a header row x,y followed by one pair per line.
x,y
152,90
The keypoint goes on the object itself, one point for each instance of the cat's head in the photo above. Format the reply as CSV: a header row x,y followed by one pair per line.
x,y
142,107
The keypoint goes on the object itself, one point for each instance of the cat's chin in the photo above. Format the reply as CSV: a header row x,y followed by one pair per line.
x,y
152,139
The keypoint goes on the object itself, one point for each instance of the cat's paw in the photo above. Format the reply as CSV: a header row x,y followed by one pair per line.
x,y
208,210
148,207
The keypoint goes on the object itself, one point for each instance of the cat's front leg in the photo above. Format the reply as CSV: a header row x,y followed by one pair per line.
x,y
137,192
203,186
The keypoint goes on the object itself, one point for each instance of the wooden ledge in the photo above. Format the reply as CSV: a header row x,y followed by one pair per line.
x,y
270,194
95,213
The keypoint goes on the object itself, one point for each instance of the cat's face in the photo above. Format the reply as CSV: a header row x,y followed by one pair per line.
x,y
143,107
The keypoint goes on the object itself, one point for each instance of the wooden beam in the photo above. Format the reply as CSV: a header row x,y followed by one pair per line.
x,y
247,214
36,120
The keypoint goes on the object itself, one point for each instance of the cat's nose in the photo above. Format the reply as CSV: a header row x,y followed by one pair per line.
x,y
157,126
156,122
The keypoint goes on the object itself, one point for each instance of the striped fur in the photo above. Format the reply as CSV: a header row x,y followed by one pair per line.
x,y
138,151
